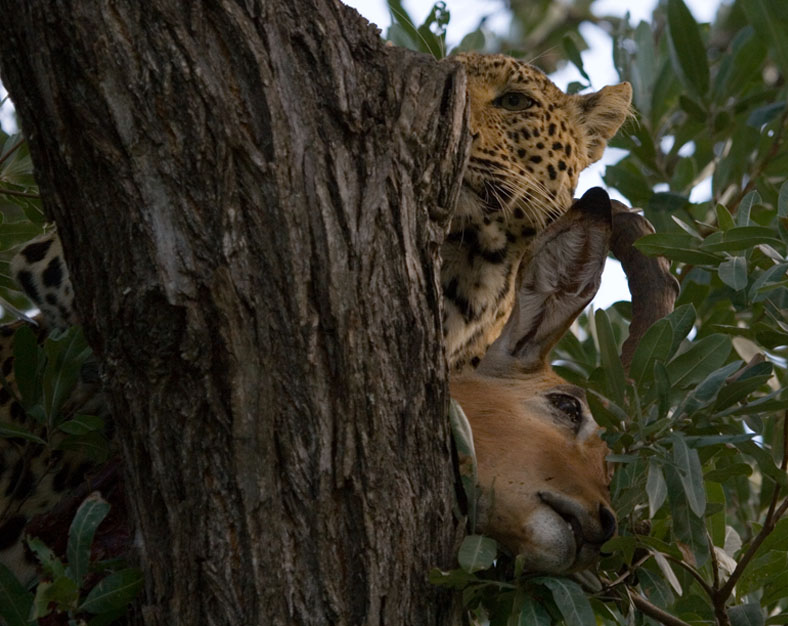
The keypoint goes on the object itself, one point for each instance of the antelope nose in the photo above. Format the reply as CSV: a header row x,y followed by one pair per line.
x,y
607,521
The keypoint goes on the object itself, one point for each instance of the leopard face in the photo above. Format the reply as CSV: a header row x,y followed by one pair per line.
x,y
530,143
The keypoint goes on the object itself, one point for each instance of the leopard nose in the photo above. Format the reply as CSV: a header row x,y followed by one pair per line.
x,y
607,521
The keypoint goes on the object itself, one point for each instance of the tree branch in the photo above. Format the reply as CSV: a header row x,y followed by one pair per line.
x,y
655,612
761,166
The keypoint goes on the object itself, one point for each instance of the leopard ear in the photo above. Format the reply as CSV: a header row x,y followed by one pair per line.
x,y
557,279
601,114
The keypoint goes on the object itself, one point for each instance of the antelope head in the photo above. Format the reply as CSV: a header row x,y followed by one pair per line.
x,y
541,463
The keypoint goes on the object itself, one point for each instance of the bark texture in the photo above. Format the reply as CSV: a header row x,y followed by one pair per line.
x,y
251,197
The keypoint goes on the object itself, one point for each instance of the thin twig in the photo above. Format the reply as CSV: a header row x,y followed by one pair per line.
x,y
694,573
761,166
11,150
655,612
769,523
630,570
23,194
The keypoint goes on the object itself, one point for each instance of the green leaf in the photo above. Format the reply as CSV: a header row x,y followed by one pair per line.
x,y
80,535
733,272
782,200
681,321
745,208
15,600
716,522
677,247
63,591
52,565
27,360
9,430
746,615
702,358
687,527
454,579
66,353
691,474
723,474
724,218
706,392
655,345
573,54
687,51
532,613
765,114
656,488
92,445
570,600
82,424
764,461
477,552
611,361
667,572
741,238
113,592
762,15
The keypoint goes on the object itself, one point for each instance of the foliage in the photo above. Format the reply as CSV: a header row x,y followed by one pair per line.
x,y
93,593
698,426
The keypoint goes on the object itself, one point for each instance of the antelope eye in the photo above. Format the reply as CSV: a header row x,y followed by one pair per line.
x,y
514,101
568,405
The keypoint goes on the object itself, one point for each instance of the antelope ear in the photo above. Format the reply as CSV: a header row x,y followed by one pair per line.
x,y
557,278
601,114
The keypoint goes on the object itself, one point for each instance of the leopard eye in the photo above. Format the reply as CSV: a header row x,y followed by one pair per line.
x,y
514,101
568,405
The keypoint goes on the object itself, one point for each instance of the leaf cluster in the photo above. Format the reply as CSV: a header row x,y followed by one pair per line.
x,y
80,590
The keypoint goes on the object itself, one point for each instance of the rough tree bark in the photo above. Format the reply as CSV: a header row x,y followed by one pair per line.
x,y
251,197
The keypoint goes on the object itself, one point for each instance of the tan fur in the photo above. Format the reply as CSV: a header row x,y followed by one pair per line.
x,y
548,459
521,175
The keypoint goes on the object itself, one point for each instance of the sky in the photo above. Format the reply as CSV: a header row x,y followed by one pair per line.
x,y
598,62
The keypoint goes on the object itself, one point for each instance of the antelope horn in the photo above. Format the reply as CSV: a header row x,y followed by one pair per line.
x,y
652,287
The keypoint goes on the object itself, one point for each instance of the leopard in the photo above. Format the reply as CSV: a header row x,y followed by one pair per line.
x,y
530,141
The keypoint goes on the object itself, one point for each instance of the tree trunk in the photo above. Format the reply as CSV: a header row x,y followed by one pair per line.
x,y
251,196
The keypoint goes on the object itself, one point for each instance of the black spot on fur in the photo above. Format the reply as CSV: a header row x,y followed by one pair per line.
x,y
568,150
53,274
536,159
17,412
557,145
22,481
475,362
518,213
521,153
11,530
561,165
34,252
551,171
551,130
527,231
25,279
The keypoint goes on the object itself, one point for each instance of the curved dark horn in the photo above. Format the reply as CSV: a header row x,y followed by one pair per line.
x,y
653,288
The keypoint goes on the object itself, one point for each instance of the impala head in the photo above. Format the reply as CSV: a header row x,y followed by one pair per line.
x,y
541,464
